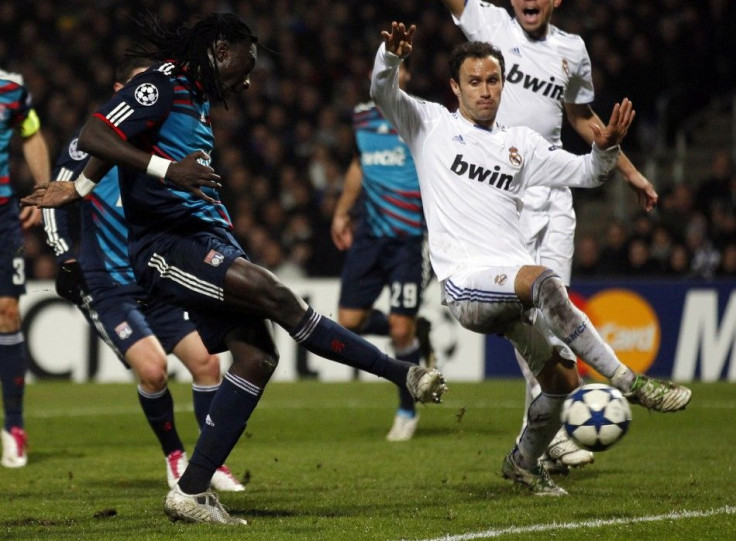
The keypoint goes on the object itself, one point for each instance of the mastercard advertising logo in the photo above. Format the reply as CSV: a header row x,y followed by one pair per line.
x,y
627,323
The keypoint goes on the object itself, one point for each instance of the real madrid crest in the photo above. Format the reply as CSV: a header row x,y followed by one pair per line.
x,y
514,157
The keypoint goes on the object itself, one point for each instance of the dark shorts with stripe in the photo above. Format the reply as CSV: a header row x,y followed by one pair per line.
x,y
375,262
122,316
189,270
12,264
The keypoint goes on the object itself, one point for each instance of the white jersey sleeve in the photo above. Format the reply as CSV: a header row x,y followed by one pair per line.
x,y
549,165
406,113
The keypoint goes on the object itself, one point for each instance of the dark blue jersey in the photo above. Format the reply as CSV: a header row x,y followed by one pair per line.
x,y
103,246
160,111
392,206
15,106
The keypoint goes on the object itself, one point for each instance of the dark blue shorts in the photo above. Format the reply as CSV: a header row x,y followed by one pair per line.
x,y
12,264
189,270
122,316
373,262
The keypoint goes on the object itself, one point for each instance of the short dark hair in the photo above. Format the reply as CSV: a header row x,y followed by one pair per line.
x,y
474,49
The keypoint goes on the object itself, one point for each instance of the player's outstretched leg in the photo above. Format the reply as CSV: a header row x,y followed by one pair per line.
x,y
576,330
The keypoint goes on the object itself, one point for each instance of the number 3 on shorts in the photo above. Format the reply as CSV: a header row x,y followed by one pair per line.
x,y
19,276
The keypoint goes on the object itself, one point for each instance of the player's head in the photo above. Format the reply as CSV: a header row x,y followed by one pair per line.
x,y
219,51
478,75
129,68
534,16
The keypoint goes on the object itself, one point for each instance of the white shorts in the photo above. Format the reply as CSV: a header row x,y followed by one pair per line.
x,y
550,234
483,300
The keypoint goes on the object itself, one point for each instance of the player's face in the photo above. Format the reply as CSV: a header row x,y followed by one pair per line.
x,y
479,89
534,16
235,62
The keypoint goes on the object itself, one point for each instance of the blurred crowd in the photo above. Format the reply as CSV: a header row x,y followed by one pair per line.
x,y
283,146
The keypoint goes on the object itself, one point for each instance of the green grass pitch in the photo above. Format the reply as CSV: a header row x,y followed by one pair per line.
x,y
317,467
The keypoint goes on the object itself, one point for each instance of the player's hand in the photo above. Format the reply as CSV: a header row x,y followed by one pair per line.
x,y
192,176
341,232
51,195
399,40
29,216
70,282
646,195
621,118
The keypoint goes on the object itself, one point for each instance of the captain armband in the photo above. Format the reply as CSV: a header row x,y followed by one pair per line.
x,y
158,166
83,185
30,125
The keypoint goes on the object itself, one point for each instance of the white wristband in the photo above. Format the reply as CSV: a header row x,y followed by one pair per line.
x,y
158,166
83,185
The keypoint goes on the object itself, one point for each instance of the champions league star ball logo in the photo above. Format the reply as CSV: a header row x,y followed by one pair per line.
x,y
146,94
74,153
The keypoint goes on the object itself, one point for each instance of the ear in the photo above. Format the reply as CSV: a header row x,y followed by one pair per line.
x,y
455,87
556,3
222,50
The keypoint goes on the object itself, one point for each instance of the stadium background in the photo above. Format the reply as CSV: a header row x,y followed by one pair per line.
x,y
284,145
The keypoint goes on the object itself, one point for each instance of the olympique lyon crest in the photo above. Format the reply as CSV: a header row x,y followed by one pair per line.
x,y
214,258
123,330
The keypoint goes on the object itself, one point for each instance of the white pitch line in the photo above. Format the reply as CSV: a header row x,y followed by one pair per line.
x,y
675,515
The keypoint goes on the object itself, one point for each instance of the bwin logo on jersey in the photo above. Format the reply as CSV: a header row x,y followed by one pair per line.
x,y
395,157
146,94
546,88
493,177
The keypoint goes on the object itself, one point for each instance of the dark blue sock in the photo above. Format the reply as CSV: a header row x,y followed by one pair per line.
x,y
202,396
159,411
229,412
327,339
13,365
376,323
413,356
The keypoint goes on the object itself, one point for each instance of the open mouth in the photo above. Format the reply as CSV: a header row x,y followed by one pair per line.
x,y
530,12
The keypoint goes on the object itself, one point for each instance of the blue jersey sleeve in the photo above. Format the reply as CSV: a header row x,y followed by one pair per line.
x,y
70,164
139,107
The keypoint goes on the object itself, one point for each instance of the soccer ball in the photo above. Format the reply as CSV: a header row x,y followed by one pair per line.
x,y
596,416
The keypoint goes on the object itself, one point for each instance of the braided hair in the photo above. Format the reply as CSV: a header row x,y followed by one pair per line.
x,y
192,47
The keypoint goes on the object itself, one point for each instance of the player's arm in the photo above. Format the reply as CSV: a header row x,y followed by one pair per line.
x,y
99,139
342,227
36,154
456,7
581,117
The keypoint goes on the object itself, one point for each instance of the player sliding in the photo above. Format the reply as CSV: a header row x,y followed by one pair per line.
x,y
157,130
472,175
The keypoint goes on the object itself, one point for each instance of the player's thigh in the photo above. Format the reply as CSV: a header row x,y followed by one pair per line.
x,y
558,245
483,299
352,318
12,268
362,278
187,270
405,270
118,320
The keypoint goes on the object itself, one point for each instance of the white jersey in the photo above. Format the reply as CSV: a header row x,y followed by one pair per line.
x,y
473,179
541,75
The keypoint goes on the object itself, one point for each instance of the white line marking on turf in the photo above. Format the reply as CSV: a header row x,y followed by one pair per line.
x,y
534,528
